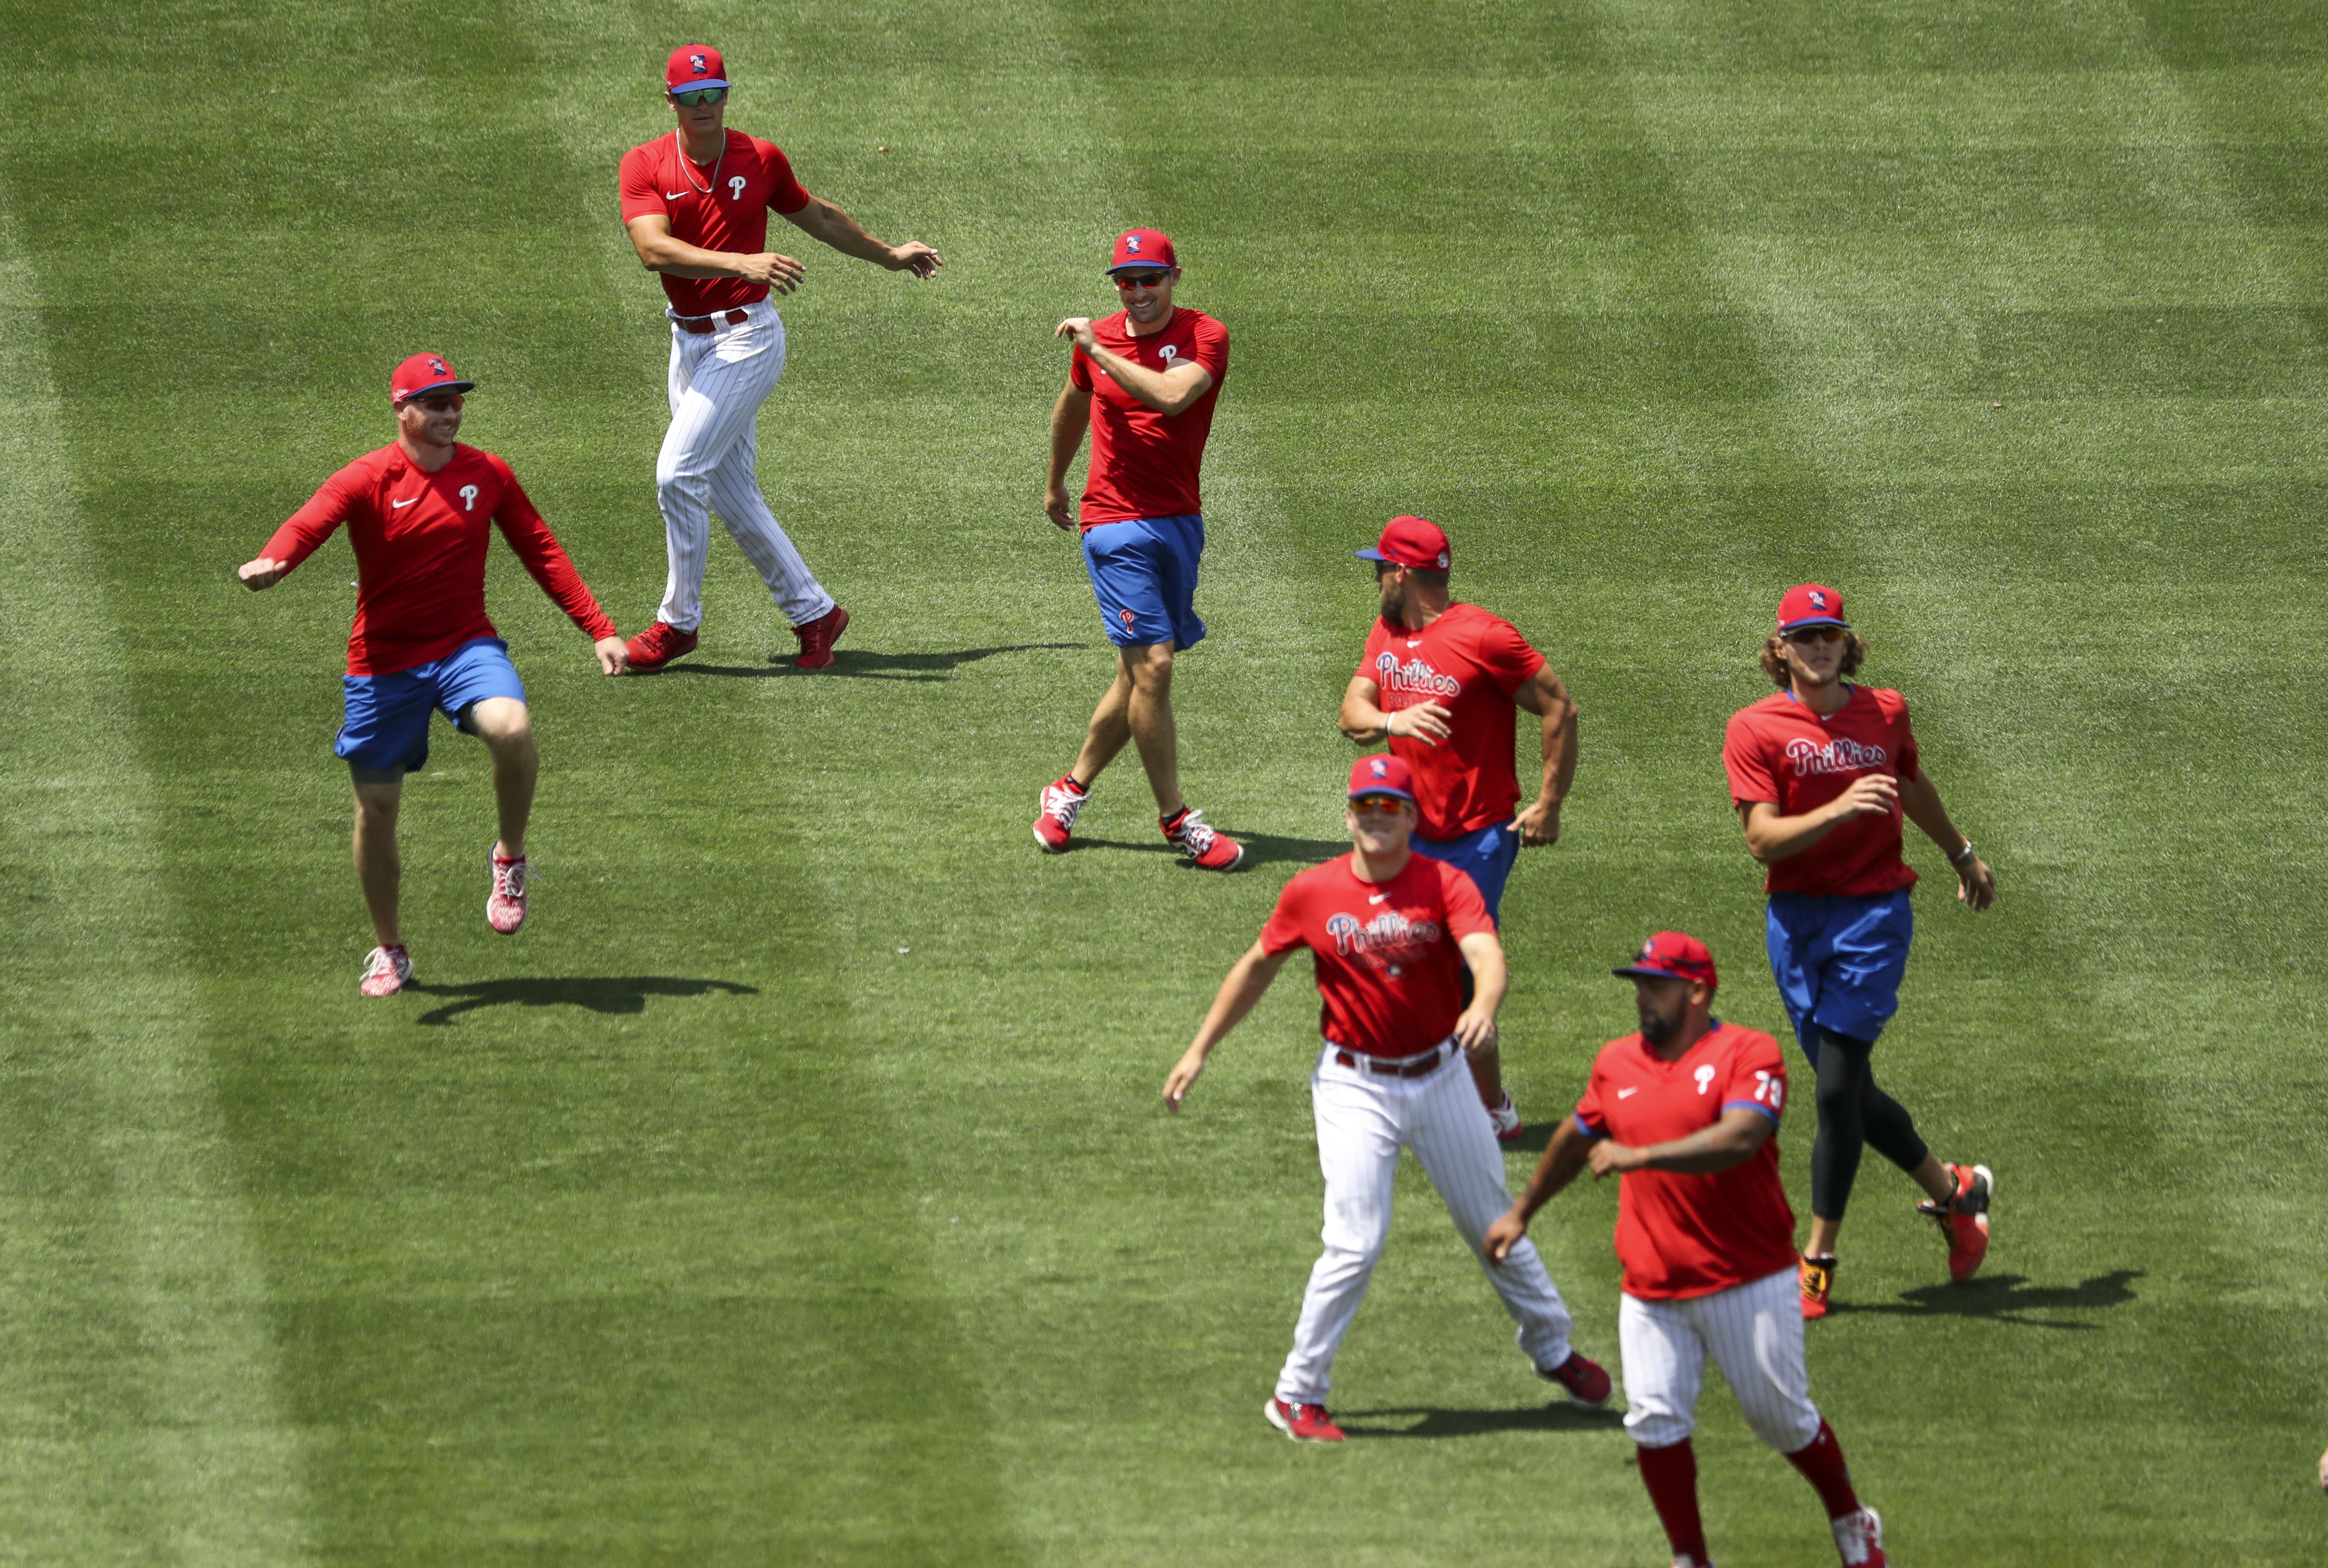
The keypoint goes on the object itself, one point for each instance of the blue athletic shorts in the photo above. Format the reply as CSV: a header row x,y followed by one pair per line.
x,y
1838,961
387,724
1487,855
1145,575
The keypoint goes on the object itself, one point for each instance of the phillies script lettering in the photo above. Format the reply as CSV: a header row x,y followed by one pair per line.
x,y
1837,756
1386,931
1414,675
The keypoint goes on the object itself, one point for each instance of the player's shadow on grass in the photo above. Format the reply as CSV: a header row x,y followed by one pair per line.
x,y
857,664
599,995
2005,1298
1260,848
1558,1417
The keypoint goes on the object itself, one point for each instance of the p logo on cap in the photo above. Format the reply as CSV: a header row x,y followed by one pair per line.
x,y
1381,775
1149,247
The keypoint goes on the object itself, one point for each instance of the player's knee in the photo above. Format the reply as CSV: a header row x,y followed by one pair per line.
x,y
503,724
1788,1426
1150,668
675,477
1652,1428
1359,1239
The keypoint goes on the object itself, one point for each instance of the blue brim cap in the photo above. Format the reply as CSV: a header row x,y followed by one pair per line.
x,y
695,86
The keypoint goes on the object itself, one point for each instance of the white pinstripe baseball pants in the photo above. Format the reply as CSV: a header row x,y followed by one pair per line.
x,y
1755,1332
1362,1122
718,379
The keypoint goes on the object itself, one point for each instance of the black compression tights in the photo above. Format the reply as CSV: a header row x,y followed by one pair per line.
x,y
1852,1113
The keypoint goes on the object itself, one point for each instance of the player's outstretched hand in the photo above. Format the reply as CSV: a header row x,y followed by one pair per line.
x,y
1078,327
1976,886
781,274
1539,824
1427,723
1505,1235
915,257
1062,511
1183,1077
612,659
259,574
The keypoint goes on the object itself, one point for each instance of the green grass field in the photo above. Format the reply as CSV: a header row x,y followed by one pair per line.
x,y
794,1189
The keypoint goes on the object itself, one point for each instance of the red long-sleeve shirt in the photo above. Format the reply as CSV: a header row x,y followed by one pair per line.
x,y
420,542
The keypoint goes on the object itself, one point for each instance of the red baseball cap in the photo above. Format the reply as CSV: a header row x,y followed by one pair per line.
x,y
1673,956
694,65
1412,541
1142,247
422,374
1811,605
1381,775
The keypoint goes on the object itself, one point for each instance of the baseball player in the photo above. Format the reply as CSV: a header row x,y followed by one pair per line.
x,y
1143,381
418,512
1383,925
695,203
1820,773
1440,682
1686,1112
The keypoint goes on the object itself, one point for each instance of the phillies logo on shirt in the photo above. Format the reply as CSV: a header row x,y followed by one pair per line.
x,y
1386,934
1837,756
1414,675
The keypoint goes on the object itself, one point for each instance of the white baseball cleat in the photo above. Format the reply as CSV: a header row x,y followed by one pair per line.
x,y
1859,1537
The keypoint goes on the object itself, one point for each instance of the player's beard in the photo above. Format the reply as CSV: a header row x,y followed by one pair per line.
x,y
1657,1029
1394,605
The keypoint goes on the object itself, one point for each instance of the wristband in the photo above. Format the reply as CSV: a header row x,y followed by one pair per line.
x,y
1962,855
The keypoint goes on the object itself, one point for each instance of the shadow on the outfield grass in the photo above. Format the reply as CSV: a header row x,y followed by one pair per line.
x,y
1561,1417
863,666
1260,848
2005,1297
599,995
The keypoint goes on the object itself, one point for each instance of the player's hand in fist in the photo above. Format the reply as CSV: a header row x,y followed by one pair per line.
x,y
913,256
1870,795
1609,1158
612,657
1078,327
259,574
1539,824
1502,1236
1425,721
1057,503
1182,1078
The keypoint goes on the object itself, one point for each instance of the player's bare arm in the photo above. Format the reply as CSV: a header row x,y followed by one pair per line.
x,y
1244,988
822,221
1070,421
1364,721
1173,391
1545,696
1975,883
660,250
1565,1158
1475,1027
1771,837
1732,1141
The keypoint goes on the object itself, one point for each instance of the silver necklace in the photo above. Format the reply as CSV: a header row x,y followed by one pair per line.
x,y
687,165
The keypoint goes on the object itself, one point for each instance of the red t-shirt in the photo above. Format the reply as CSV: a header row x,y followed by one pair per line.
x,y
420,543
1780,751
1691,1235
1143,463
1385,953
1470,662
720,206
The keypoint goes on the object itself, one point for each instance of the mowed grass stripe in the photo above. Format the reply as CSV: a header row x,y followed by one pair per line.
x,y
145,1421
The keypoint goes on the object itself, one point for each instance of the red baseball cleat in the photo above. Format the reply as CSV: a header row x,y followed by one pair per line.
x,y
1301,1422
1063,802
1963,1218
817,638
657,646
1197,842
1506,1120
1587,1382
505,905
386,969
1817,1278
1859,1537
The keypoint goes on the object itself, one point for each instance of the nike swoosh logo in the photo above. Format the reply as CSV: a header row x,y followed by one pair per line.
x,y
1377,897
1626,1094
672,195
403,503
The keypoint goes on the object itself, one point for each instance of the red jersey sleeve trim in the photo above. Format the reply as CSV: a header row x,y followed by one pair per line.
x,y
1211,342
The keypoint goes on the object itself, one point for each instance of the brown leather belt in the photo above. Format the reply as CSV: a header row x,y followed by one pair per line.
x,y
1394,1067
711,324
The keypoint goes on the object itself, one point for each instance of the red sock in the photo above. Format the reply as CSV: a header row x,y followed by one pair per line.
x,y
1671,1475
1821,1462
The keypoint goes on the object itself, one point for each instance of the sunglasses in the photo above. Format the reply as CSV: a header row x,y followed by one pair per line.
x,y
1382,803
1817,634
696,98
441,403
1140,279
